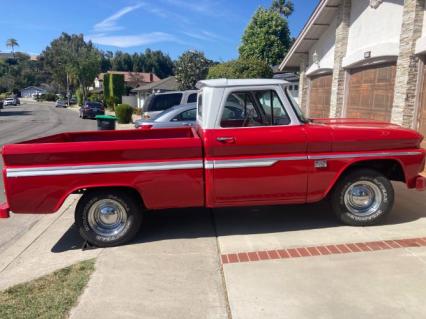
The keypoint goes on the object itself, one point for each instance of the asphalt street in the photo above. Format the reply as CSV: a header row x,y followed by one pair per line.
x,y
24,122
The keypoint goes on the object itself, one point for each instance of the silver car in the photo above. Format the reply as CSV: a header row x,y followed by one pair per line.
x,y
177,116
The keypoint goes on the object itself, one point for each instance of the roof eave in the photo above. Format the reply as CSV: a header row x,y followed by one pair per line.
x,y
318,10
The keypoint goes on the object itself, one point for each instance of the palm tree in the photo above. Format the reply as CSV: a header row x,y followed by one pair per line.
x,y
12,43
284,7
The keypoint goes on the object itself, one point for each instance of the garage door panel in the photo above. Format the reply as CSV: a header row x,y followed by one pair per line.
x,y
422,111
371,91
319,96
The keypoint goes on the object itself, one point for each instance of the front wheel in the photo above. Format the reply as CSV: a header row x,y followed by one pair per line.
x,y
363,197
108,218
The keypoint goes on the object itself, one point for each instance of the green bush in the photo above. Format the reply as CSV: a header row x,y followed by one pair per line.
x,y
124,113
51,97
113,89
80,96
240,69
96,97
137,111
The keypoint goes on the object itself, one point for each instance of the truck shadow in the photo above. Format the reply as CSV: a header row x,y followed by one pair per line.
x,y
199,222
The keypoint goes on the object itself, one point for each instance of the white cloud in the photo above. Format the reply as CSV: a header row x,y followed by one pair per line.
x,y
127,41
110,23
205,36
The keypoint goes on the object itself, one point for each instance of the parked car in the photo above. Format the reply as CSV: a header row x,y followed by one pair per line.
x,y
159,102
1,104
61,103
252,146
11,101
177,116
91,109
73,101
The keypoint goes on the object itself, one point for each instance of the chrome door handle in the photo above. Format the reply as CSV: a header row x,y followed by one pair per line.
x,y
226,139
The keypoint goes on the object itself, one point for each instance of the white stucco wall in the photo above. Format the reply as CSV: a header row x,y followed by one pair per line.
x,y
421,43
324,47
376,30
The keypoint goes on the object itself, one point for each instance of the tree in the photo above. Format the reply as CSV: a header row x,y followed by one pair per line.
x,y
240,69
266,38
283,7
70,55
150,61
191,67
113,89
12,43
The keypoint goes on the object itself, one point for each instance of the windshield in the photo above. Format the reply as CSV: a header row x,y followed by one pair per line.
x,y
93,104
302,118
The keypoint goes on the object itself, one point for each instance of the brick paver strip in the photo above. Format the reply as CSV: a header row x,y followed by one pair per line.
x,y
302,252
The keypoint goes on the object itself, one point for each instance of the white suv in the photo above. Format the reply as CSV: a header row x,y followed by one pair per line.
x,y
159,102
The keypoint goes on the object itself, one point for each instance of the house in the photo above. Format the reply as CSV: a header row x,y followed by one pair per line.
x,y
363,59
131,79
291,77
143,91
32,91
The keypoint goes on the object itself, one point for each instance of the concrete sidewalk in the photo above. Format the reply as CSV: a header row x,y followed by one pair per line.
x,y
174,270
171,271
51,244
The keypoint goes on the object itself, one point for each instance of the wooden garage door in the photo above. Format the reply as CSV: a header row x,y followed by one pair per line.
x,y
422,111
319,96
371,92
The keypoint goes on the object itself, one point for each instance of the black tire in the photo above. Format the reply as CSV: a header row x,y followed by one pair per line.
x,y
86,211
362,186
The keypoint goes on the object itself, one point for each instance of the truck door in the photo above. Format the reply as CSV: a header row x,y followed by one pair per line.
x,y
257,152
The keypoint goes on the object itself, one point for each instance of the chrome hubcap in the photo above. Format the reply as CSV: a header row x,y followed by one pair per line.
x,y
363,198
107,217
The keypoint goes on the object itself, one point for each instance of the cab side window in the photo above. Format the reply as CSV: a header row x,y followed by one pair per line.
x,y
253,108
272,107
240,111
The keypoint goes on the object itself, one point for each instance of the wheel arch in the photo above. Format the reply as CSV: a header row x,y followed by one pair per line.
x,y
133,191
391,168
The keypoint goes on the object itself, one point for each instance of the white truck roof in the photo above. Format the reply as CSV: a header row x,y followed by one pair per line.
x,y
220,83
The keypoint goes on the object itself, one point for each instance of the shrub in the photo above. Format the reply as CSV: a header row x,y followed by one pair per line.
x,y
96,97
137,111
80,97
240,69
113,89
124,113
47,97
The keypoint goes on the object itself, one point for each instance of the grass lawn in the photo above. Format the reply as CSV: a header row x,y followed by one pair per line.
x,y
51,296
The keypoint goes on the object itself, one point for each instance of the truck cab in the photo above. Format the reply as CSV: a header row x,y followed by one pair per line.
x,y
251,146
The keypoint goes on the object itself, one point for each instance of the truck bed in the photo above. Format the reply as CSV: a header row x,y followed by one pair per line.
x,y
41,173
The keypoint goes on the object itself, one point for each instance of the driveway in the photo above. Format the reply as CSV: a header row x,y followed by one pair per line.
x,y
28,121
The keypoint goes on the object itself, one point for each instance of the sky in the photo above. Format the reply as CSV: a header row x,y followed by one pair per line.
x,y
173,26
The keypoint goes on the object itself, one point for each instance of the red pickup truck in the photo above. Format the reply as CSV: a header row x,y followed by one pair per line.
x,y
251,146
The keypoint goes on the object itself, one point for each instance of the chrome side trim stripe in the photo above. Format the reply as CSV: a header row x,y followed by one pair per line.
x,y
98,169
357,155
254,162
266,162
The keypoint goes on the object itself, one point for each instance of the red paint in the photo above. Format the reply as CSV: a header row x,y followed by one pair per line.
x,y
4,210
286,181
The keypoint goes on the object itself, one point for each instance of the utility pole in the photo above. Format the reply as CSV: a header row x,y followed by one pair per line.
x,y
68,90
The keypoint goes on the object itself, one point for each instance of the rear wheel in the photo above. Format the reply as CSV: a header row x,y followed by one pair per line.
x,y
108,218
363,197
